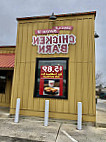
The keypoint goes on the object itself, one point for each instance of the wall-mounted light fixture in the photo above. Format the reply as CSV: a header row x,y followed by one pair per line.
x,y
52,17
96,35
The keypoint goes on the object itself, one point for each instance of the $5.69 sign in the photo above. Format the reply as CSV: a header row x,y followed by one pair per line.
x,y
53,72
52,68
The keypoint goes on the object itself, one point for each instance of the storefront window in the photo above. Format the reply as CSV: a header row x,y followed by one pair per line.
x,y
2,81
51,78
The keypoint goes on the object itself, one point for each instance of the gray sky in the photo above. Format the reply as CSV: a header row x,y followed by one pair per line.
x,y
11,9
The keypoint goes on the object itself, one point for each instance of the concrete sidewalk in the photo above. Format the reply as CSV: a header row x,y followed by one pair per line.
x,y
100,118
101,105
101,113
4,112
32,129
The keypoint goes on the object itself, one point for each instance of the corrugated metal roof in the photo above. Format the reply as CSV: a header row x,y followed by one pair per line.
x,y
7,60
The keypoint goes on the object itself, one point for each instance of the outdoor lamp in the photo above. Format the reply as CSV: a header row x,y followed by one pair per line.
x,y
96,35
52,17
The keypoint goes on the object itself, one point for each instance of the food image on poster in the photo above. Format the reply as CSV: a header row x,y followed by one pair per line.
x,y
51,87
51,81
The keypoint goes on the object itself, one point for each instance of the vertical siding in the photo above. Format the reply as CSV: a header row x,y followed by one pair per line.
x,y
5,98
81,73
15,85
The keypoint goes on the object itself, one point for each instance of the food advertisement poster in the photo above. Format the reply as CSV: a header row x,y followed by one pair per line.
x,y
51,80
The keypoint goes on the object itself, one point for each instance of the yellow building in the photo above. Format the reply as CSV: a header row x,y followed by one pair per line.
x,y
7,57
55,61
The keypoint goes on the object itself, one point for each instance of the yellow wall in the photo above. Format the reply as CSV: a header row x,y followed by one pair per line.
x,y
81,80
7,50
6,97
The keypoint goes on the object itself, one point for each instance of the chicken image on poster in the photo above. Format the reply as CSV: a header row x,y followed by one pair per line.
x,y
51,81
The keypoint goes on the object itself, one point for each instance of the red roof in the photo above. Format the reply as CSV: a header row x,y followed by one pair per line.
x,y
7,60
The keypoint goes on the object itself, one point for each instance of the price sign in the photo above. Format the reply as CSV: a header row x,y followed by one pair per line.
x,y
51,71
56,69
51,80
52,68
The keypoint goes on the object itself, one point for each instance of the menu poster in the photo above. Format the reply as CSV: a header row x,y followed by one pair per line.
x,y
51,81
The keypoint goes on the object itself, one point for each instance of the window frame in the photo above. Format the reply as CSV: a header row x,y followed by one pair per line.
x,y
36,73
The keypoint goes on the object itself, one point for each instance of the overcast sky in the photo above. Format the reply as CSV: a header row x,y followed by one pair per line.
x,y
11,9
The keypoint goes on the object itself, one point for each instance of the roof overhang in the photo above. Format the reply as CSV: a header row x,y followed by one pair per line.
x,y
7,60
60,15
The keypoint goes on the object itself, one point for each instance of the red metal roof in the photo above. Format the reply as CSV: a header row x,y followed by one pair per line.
x,y
7,60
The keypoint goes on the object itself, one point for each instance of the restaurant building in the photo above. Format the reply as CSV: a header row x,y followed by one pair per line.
x,y
7,58
55,61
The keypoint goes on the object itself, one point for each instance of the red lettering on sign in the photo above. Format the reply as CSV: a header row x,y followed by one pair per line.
x,y
60,39
65,38
55,39
72,39
63,27
48,49
64,48
48,39
55,49
41,49
42,40
35,40
53,44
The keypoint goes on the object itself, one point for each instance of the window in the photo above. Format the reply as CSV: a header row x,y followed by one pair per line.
x,y
2,81
51,78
